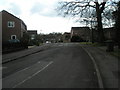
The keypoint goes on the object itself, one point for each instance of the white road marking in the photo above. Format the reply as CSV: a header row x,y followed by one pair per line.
x,y
32,75
26,68
60,45
100,82
1,68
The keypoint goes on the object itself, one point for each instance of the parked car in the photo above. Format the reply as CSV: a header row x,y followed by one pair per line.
x,y
14,41
47,42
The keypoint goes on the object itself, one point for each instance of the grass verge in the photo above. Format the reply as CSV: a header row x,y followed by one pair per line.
x,y
103,46
116,53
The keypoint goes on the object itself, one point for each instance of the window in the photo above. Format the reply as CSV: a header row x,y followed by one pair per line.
x,y
13,36
11,24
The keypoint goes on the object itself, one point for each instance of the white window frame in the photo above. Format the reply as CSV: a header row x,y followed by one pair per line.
x,y
11,24
14,36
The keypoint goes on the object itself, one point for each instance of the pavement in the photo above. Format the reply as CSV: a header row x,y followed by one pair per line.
x,y
107,64
23,53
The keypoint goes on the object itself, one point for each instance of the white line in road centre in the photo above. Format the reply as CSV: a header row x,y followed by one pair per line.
x,y
60,45
32,75
27,67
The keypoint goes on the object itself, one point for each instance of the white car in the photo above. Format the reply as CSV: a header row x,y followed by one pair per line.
x,y
47,42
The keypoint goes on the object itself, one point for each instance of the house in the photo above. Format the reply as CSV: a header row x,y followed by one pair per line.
x,y
32,34
80,33
66,37
109,33
12,27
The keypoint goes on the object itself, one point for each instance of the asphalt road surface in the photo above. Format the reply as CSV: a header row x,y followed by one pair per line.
x,y
63,65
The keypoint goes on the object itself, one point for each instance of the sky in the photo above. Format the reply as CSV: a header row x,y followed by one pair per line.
x,y
39,15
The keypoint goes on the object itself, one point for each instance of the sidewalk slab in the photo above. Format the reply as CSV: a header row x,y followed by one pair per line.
x,y
15,55
107,64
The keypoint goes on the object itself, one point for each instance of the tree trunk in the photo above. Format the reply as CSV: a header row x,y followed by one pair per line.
x,y
99,21
117,26
118,31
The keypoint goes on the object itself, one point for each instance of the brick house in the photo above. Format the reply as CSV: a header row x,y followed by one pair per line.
x,y
12,27
66,37
32,34
109,33
82,32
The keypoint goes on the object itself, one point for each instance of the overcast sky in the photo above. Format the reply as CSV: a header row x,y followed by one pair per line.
x,y
38,15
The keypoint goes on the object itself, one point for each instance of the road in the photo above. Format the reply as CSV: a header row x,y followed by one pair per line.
x,y
64,65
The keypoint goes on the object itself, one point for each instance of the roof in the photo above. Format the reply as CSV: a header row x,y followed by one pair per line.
x,y
76,28
10,14
111,28
67,33
32,31
13,16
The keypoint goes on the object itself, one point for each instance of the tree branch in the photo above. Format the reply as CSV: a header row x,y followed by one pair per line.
x,y
103,7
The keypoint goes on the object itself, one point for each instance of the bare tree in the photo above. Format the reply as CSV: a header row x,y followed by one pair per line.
x,y
86,9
